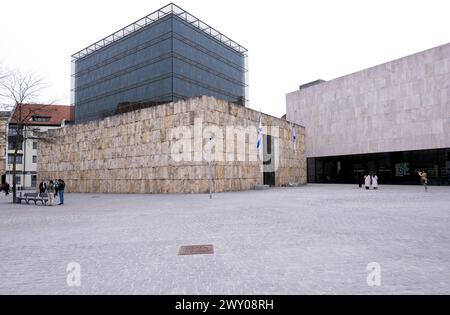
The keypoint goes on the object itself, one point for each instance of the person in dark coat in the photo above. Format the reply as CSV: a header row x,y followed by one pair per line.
x,y
61,187
6,189
55,184
42,188
360,180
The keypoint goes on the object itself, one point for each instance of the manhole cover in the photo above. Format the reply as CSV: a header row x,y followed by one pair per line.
x,y
196,250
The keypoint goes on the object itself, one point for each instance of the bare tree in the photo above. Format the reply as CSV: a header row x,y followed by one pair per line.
x,y
19,89
3,76
3,73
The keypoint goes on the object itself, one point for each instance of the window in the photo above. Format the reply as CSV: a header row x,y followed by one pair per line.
x,y
18,158
38,118
34,159
18,180
33,180
12,131
35,145
12,145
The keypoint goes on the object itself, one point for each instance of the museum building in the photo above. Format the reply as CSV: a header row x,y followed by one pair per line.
x,y
391,120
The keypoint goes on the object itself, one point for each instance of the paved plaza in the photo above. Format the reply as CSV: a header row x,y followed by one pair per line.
x,y
316,239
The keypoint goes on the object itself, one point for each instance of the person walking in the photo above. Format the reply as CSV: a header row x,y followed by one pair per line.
x,y
375,181
367,180
6,188
55,184
51,193
42,188
423,178
360,180
61,187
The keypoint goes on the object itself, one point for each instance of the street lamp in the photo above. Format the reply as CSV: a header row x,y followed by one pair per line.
x,y
210,171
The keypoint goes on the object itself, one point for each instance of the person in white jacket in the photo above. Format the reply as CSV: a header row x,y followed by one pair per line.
x,y
367,180
375,181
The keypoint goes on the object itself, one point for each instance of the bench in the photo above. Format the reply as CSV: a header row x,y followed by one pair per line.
x,y
21,198
43,199
27,197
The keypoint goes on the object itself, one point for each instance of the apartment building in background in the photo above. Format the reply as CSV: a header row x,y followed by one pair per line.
x,y
35,118
4,116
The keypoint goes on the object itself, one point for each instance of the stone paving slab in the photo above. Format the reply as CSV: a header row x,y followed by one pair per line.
x,y
316,239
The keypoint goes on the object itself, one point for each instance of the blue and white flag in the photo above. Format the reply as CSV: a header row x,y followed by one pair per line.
x,y
260,129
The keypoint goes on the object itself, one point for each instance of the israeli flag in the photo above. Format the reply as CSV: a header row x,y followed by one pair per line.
x,y
258,142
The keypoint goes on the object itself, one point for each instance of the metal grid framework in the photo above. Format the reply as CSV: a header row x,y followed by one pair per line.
x,y
153,17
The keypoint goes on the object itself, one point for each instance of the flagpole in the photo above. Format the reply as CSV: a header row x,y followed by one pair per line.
x,y
294,142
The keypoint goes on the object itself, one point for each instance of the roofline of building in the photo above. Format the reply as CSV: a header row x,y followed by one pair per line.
x,y
193,98
41,104
170,9
326,82
12,121
44,124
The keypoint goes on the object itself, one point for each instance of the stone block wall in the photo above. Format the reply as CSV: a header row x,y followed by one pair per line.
x,y
161,149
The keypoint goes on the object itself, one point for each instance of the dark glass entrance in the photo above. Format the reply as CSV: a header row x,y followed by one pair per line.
x,y
269,160
390,167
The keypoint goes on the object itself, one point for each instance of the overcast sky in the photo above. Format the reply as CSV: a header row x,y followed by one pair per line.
x,y
289,42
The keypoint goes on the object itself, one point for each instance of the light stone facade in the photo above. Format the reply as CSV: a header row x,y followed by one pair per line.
x,y
161,150
3,156
397,106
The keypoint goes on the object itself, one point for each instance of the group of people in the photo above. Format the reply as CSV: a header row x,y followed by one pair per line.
x,y
53,188
369,181
372,180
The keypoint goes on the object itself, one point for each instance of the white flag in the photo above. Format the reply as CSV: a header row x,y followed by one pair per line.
x,y
258,141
